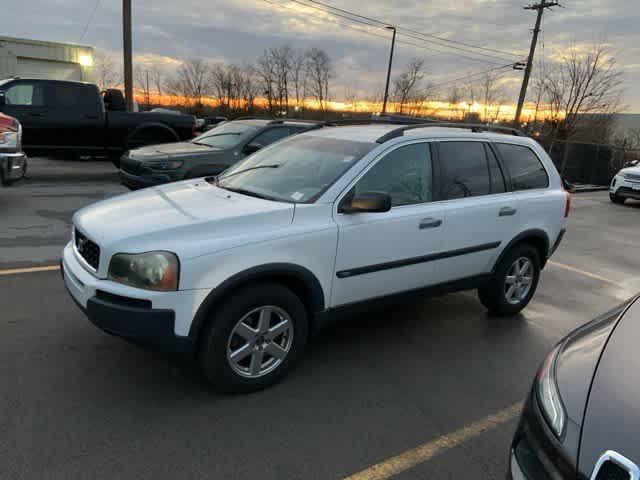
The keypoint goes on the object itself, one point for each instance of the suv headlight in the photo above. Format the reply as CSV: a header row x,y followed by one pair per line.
x,y
548,394
157,271
9,140
164,164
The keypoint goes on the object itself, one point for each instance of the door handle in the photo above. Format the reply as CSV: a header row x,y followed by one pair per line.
x,y
91,117
429,223
507,212
39,115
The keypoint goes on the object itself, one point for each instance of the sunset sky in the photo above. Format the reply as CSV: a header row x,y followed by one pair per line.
x,y
238,30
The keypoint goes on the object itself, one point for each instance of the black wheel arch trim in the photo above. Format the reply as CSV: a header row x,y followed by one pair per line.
x,y
527,234
152,125
314,301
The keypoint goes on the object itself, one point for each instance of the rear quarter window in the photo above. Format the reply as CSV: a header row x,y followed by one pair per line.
x,y
524,167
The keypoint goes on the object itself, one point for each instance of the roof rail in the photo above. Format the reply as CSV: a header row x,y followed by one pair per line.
x,y
250,117
474,127
407,119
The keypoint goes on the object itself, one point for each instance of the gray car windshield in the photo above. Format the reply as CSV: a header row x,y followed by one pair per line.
x,y
296,170
227,135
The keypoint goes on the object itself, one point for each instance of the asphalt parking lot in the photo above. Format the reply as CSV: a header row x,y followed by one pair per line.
x,y
423,390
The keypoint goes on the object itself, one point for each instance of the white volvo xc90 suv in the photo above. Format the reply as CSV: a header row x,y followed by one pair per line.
x,y
239,270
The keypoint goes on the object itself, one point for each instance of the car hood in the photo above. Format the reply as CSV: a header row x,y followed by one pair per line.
x,y
635,170
611,418
190,218
171,150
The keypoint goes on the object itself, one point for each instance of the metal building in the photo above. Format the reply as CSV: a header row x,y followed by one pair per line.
x,y
37,59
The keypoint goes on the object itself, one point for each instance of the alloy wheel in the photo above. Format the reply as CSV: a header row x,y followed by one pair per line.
x,y
260,341
518,281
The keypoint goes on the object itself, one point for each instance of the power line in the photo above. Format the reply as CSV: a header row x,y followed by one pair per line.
x,y
368,24
473,75
89,20
441,39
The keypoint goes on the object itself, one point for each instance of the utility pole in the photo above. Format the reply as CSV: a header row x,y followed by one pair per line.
x,y
148,92
127,48
386,88
540,7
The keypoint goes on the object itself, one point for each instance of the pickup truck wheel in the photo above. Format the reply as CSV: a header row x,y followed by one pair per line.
x,y
617,199
513,283
254,338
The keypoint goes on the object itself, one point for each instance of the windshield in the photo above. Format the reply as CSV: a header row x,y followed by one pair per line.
x,y
298,169
226,135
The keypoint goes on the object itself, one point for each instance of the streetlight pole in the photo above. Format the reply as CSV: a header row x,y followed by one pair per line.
x,y
386,88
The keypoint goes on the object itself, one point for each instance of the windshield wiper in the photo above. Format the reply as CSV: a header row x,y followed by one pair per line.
x,y
257,167
250,193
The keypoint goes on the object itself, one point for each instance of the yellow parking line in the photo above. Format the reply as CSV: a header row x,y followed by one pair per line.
x,y
17,271
425,452
595,276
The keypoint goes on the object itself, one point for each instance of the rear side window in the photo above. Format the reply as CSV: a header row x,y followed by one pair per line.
x,y
465,171
25,94
524,166
75,97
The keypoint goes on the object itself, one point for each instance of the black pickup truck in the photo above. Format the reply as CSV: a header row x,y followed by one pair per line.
x,y
63,117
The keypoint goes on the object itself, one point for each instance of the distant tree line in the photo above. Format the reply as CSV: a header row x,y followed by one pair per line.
x,y
283,78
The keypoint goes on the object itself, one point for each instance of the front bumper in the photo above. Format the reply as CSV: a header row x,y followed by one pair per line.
x,y
625,188
13,165
158,319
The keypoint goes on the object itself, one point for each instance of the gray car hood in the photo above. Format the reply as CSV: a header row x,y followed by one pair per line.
x,y
612,419
171,150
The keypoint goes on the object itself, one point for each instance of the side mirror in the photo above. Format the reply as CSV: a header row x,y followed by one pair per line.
x,y
367,202
250,148
3,100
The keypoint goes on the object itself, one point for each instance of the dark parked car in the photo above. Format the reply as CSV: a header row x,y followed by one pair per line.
x,y
13,162
74,117
206,155
581,420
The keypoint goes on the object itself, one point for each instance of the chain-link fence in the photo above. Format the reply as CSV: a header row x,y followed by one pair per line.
x,y
590,163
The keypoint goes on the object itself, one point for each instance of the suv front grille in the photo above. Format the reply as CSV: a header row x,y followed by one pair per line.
x,y
87,249
632,176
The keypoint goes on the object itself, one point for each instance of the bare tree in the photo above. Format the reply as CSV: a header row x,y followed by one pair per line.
x,y
266,72
191,82
408,84
282,60
298,74
492,96
108,73
454,97
319,70
250,88
584,91
141,77
156,79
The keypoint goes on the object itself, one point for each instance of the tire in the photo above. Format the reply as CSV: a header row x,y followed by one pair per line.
x,y
494,295
235,327
4,182
617,199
